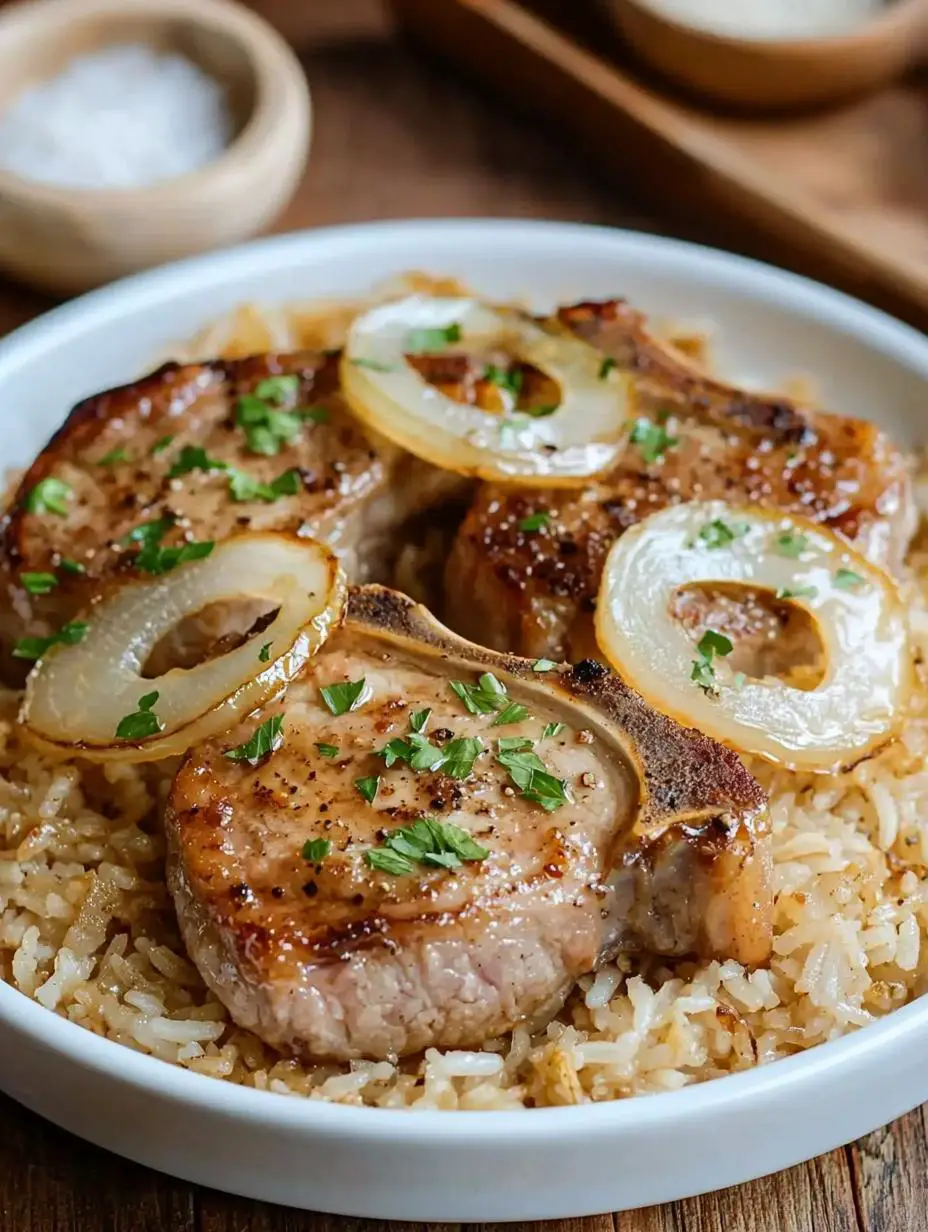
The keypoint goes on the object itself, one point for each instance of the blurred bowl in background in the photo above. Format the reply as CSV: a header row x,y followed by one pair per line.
x,y
777,74
68,239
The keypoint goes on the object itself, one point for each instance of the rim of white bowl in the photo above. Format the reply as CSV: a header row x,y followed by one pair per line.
x,y
730,1093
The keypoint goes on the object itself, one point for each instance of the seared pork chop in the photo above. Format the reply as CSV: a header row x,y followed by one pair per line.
x,y
192,454
351,948
533,590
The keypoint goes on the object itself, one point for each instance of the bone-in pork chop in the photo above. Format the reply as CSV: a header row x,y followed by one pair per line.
x,y
516,585
566,822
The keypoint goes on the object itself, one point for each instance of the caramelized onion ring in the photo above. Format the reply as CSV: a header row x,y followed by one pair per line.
x,y
564,448
77,695
861,624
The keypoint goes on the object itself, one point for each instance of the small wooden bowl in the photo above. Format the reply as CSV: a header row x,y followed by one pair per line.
x,y
65,239
767,74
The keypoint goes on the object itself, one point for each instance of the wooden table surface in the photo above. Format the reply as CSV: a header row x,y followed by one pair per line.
x,y
397,137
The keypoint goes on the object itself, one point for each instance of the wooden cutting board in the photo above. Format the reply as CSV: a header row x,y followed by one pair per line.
x,y
841,194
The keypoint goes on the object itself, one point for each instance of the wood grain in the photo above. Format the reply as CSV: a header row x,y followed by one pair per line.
x,y
399,137
838,193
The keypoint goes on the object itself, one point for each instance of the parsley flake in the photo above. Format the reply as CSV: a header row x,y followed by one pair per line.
x,y
160,445
797,592
422,341
195,458
419,719
38,583
267,739
653,440
279,389
155,559
50,495
142,723
847,579
340,698
266,429
606,367
551,730
544,665
368,787
315,850
245,487
530,775
719,534
485,697
119,454
373,364
543,411
426,841
71,566
327,750
33,648
709,645
792,544
508,379
514,712
264,654
535,521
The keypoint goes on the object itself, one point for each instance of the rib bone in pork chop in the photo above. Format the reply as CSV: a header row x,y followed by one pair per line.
x,y
534,590
179,457
653,842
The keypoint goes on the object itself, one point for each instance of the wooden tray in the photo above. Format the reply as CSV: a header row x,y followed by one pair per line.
x,y
841,195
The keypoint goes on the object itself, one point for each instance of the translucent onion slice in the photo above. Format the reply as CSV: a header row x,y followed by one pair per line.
x,y
564,448
858,613
77,695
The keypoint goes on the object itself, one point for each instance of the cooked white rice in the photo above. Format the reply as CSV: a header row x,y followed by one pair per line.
x,y
87,929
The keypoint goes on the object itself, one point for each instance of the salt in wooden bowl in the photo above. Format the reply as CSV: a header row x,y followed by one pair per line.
x,y
68,239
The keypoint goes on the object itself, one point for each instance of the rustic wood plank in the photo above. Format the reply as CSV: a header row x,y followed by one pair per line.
x,y
815,1197
53,1182
889,1170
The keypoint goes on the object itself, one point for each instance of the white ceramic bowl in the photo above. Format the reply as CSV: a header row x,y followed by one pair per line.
x,y
470,1166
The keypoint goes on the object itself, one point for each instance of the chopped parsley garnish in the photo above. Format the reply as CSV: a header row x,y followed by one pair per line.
x,y
279,389
719,534
456,758
152,557
315,850
792,544
535,521
551,730
368,787
847,579
514,712
485,697
266,429
245,487
33,648
340,698
264,653
710,645
541,412
161,445
315,414
797,592
119,454
606,367
195,458
509,379
374,365
71,566
327,750
426,841
50,495
419,719
530,775
653,440
38,583
422,341
142,723
267,739
544,665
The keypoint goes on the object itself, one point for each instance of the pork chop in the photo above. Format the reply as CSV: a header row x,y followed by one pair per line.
x,y
335,921
524,571
192,454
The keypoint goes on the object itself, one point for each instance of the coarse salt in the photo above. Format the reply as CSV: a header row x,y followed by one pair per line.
x,y
122,117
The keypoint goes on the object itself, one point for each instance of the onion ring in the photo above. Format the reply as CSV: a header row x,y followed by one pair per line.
x,y
858,613
77,696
